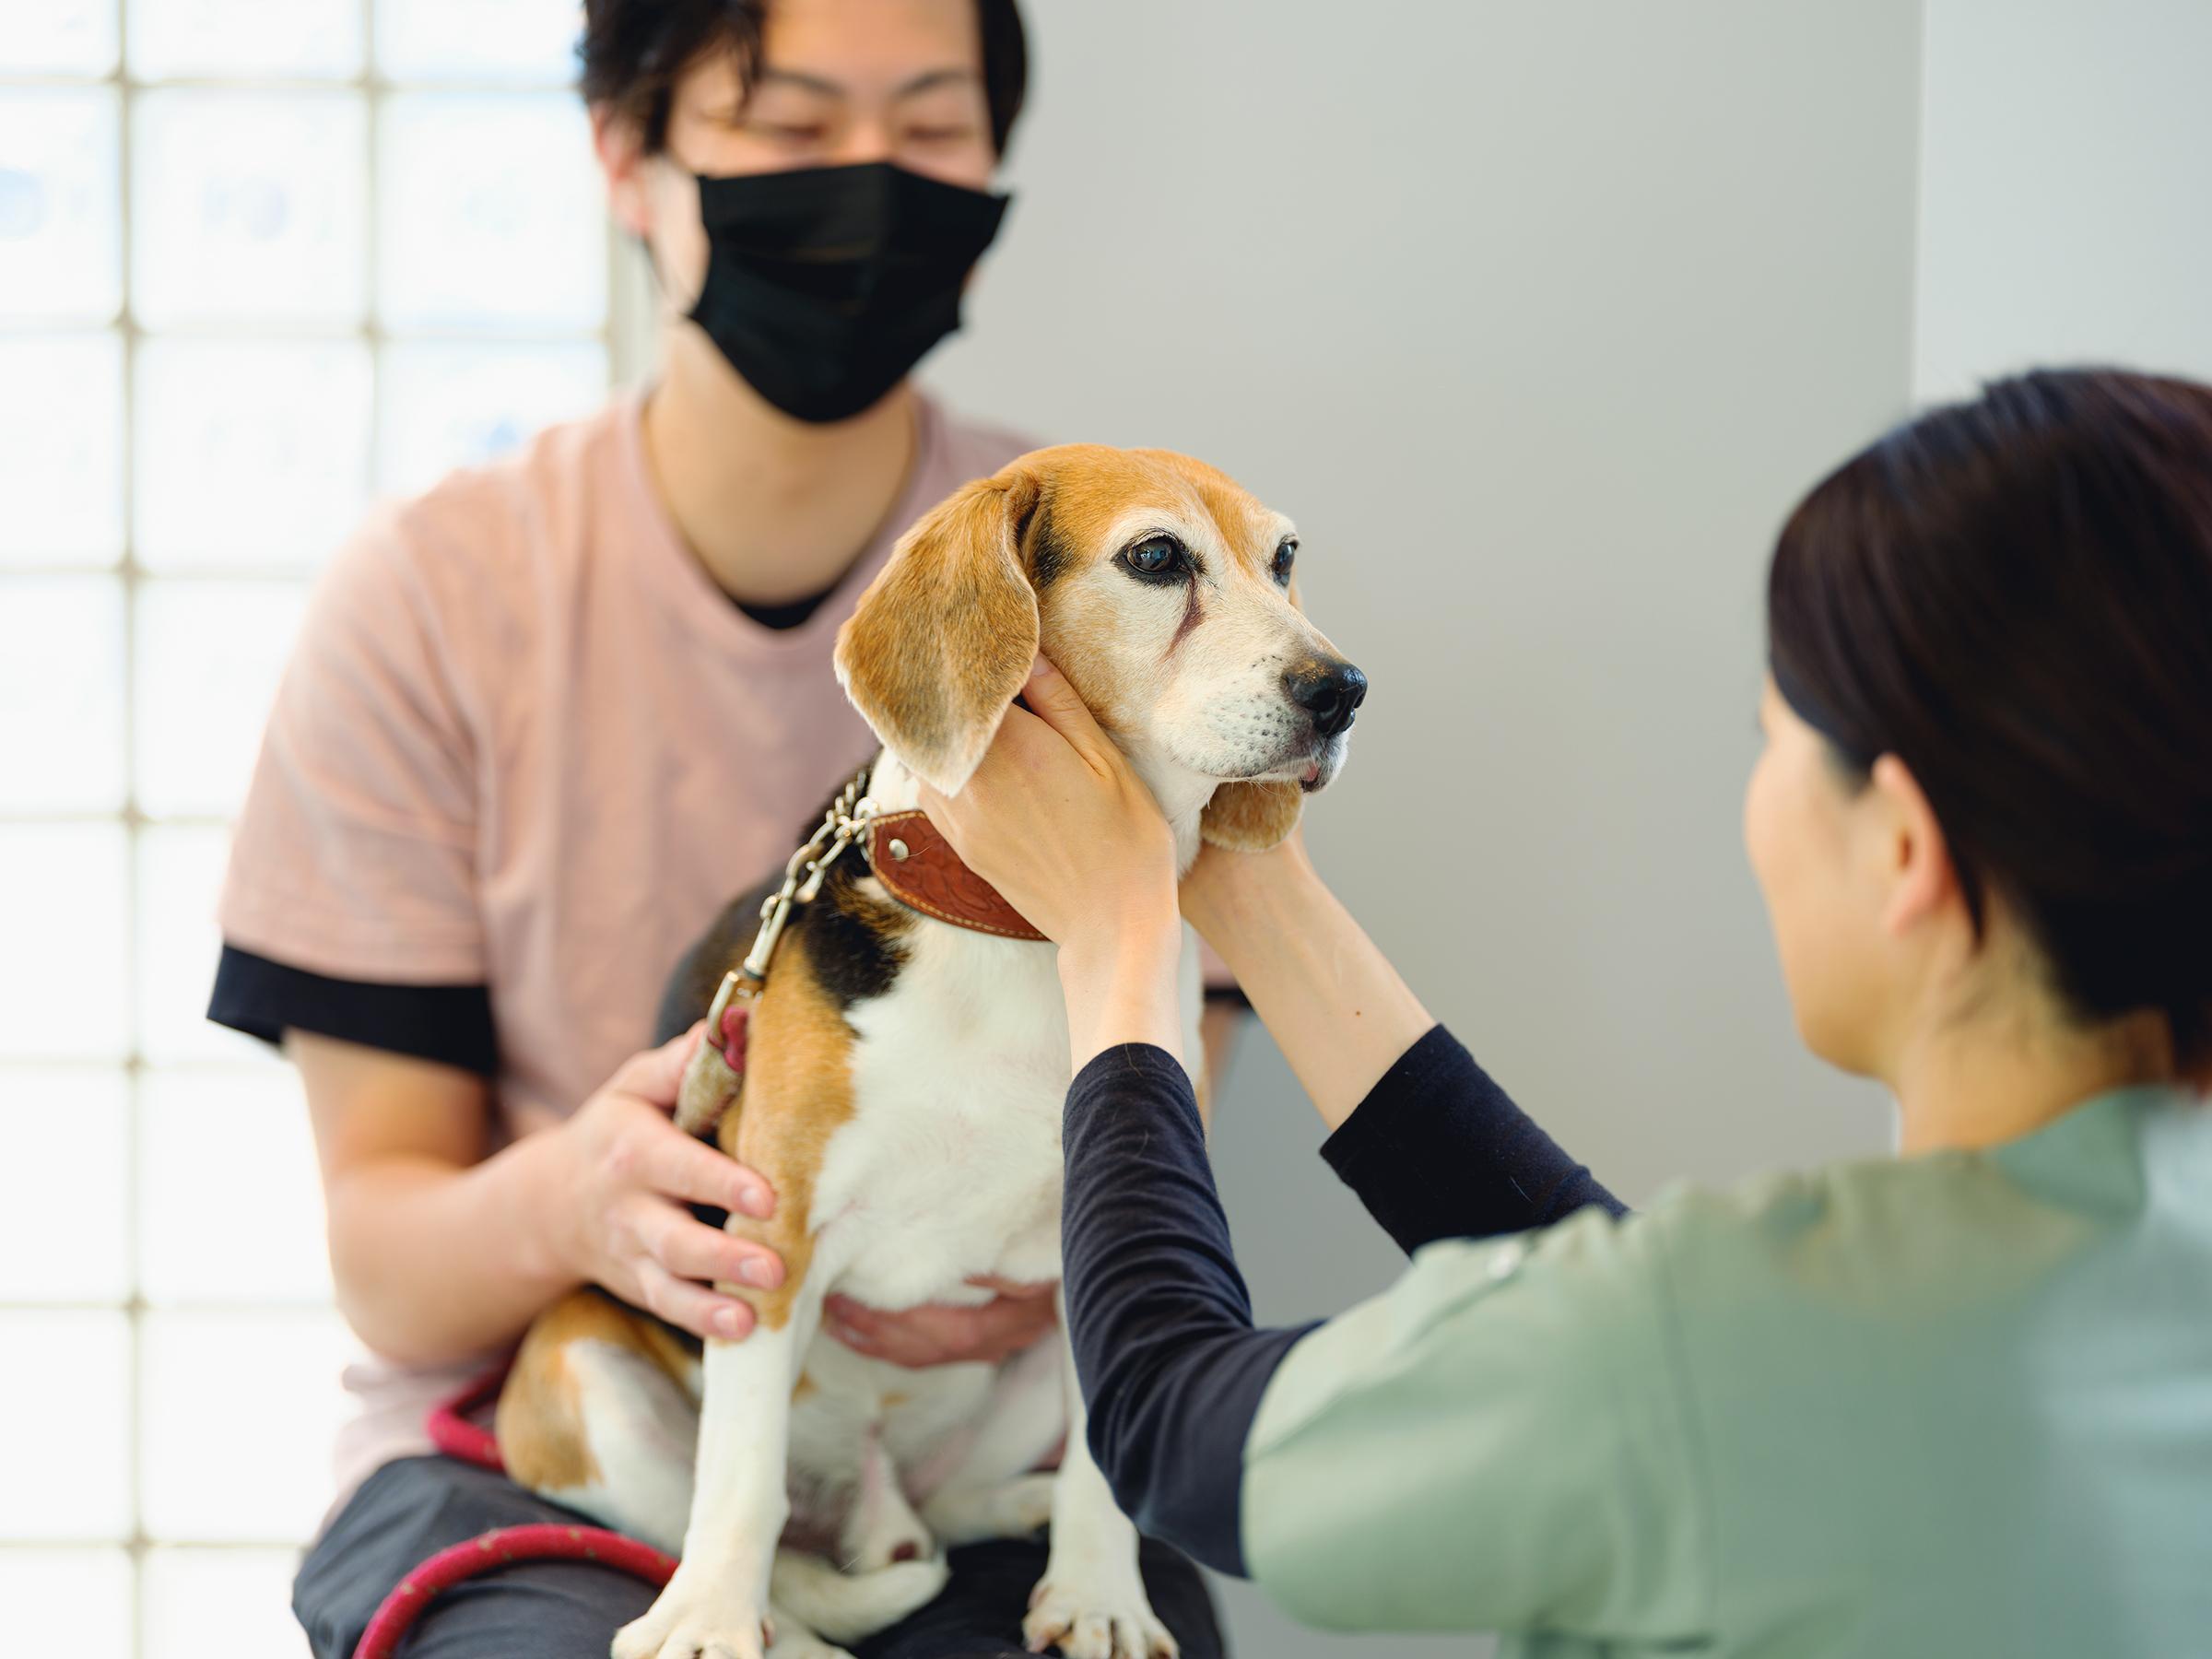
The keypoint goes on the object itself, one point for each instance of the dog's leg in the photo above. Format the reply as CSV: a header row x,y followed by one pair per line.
x,y
881,1529
1091,1602
643,1429
594,1415
716,1605
993,1493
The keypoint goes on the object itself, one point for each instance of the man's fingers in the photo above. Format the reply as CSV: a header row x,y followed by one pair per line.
x,y
1019,1290
655,1074
690,1249
700,1310
937,1333
688,1169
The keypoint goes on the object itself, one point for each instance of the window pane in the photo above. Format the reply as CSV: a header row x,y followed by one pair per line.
x,y
68,1601
249,455
68,1464
245,1593
247,207
302,38
478,39
460,406
62,890
180,875
60,228
61,449
230,1207
211,1383
65,1229
61,694
58,37
209,656
488,212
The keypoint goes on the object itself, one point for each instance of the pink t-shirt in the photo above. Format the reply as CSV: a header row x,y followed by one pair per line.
x,y
525,741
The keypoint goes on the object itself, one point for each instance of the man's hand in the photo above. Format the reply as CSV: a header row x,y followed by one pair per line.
x,y
621,1176
1019,1317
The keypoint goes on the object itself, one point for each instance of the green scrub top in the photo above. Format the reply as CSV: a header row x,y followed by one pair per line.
x,y
1956,1405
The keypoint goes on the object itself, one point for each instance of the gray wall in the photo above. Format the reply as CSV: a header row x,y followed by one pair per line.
x,y
1537,317
2067,188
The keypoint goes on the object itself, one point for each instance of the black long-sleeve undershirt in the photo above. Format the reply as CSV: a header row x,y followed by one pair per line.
x,y
1172,1366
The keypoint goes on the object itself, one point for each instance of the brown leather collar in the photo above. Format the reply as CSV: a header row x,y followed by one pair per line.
x,y
920,869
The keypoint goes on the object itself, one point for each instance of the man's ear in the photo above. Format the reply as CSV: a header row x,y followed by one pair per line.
x,y
943,638
621,143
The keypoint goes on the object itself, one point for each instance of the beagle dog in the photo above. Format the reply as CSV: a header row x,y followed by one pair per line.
x,y
907,1062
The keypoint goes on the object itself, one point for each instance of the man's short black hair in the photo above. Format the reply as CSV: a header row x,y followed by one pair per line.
x,y
633,51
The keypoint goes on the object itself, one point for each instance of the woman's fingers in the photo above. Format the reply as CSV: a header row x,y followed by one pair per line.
x,y
1055,701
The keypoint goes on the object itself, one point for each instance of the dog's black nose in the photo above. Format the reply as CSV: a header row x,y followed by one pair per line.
x,y
1331,692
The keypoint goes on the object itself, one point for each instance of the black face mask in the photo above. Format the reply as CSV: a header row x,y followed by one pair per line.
x,y
827,284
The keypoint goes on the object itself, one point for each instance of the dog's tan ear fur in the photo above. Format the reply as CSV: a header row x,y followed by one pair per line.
x,y
943,637
1251,818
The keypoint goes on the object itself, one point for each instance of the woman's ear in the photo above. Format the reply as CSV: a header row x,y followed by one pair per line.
x,y
943,638
1915,854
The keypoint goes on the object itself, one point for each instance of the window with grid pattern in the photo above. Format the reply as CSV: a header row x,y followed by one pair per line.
x,y
260,260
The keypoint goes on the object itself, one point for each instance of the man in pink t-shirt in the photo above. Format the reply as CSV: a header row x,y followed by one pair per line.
x,y
543,722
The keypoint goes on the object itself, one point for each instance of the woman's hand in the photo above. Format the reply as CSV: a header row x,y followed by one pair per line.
x,y
1223,893
620,1173
1057,820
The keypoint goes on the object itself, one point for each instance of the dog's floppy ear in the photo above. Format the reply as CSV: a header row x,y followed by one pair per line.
x,y
943,638
1251,817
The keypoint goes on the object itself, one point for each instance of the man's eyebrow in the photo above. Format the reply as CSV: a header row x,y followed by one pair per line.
x,y
927,81
795,77
932,80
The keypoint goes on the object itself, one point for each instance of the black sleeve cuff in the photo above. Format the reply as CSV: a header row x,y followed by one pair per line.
x,y
450,1024
1157,1314
1437,1150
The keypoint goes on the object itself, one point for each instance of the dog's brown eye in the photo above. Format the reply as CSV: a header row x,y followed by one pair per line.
x,y
1156,556
1285,557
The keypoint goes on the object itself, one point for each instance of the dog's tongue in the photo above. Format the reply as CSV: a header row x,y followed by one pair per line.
x,y
1314,772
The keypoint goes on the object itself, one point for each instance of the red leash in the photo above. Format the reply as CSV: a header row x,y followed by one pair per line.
x,y
454,1432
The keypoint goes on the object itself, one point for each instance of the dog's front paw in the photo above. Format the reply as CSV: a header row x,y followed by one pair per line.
x,y
695,1621
1092,1622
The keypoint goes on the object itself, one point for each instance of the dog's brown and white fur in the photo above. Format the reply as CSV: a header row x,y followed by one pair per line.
x,y
903,1092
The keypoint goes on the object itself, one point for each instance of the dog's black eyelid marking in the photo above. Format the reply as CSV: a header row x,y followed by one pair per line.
x,y
1048,553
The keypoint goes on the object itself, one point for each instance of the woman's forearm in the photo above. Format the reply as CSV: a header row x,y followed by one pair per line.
x,y
1157,1314
436,1263
1332,1001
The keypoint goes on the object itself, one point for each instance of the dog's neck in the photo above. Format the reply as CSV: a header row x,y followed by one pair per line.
x,y
1182,794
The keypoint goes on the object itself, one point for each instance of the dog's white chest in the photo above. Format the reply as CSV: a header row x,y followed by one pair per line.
x,y
951,1165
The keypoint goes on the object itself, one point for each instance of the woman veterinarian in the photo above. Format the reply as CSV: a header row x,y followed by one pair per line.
x,y
1957,1403
544,722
